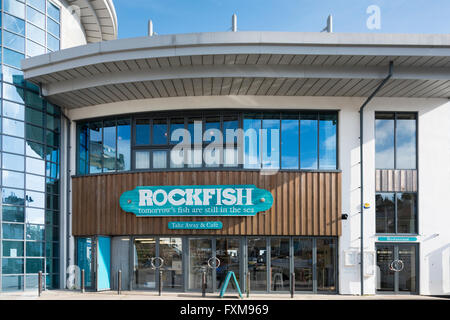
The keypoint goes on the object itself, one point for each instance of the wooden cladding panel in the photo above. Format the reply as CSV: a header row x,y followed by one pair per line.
x,y
305,204
396,180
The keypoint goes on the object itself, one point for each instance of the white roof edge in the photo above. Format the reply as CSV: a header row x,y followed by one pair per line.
x,y
248,38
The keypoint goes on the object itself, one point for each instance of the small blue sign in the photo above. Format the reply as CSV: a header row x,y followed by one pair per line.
x,y
202,225
397,239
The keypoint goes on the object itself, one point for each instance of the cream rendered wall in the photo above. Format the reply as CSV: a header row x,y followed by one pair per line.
x,y
72,31
434,172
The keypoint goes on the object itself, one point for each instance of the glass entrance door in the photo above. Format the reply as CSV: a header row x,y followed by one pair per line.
x,y
397,268
227,251
144,273
200,251
171,251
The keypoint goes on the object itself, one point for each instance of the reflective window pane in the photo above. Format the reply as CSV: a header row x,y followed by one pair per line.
x,y
13,196
13,162
257,263
289,143
385,213
326,265
13,41
123,145
33,49
53,27
34,100
384,141
34,149
12,231
279,262
109,146
405,141
52,43
12,58
35,265
12,266
13,75
35,249
13,213
35,17
13,249
36,34
35,182
270,143
142,132
328,141
406,213
142,159
35,166
53,11
13,179
13,93
38,4
14,7
159,131
12,283
13,110
252,141
14,24
95,147
12,144
176,124
13,127
159,159
303,264
35,232
308,141
34,199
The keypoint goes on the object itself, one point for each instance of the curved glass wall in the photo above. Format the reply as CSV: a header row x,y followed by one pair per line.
x,y
30,150
305,140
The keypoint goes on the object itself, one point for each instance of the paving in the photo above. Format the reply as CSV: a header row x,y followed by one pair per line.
x,y
143,295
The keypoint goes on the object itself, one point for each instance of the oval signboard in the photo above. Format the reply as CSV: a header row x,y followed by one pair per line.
x,y
211,200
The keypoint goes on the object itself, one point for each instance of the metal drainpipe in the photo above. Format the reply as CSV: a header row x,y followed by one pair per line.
x,y
361,142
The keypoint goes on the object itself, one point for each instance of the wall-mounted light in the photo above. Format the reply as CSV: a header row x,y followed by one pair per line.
x,y
344,216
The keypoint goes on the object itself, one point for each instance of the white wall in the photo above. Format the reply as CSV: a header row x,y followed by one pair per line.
x,y
72,31
434,171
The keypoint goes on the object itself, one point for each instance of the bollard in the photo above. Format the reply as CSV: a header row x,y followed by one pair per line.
x,y
160,282
82,280
292,284
39,283
204,284
248,284
119,281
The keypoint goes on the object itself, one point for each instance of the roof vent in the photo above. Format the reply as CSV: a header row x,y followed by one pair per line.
x,y
234,23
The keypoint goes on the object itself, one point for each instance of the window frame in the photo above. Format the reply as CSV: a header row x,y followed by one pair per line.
x,y
395,113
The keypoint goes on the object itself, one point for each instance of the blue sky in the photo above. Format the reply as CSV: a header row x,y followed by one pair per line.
x,y
186,16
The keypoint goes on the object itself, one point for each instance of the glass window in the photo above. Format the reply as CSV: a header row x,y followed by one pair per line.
x,y
12,266
405,141
326,265
35,249
13,75
53,11
406,213
385,213
142,132
35,265
13,93
12,58
35,133
14,24
290,143
53,27
95,147
159,131
12,144
176,124
13,213
34,149
13,127
13,196
109,146
13,41
35,199
384,140
36,17
303,264
35,166
279,262
35,182
52,43
13,179
123,144
13,110
53,123
159,159
308,141
34,117
33,49
257,263
13,249
52,138
13,162
252,138
38,4
12,283
34,100
36,34
195,128
142,159
35,232
12,231
327,143
14,7
270,141
35,216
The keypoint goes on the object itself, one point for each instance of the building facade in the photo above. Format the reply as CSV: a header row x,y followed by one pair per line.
x,y
318,156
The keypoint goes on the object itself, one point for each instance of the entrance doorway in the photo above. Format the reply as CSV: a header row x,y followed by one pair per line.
x,y
147,265
397,268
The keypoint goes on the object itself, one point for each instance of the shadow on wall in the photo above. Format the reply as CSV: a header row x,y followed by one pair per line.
x,y
439,271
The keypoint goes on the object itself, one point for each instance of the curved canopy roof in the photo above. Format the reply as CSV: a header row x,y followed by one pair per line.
x,y
244,63
98,18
